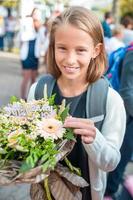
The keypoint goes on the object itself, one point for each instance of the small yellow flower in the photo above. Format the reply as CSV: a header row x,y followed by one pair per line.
x,y
51,128
19,120
12,138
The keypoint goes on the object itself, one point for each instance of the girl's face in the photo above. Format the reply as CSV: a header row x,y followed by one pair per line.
x,y
74,49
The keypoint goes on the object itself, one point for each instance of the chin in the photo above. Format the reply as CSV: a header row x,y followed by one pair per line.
x,y
71,77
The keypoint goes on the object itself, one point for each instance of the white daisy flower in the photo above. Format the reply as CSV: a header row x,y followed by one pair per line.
x,y
51,128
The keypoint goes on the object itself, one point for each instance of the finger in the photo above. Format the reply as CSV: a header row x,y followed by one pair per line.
x,y
75,119
87,140
86,132
75,124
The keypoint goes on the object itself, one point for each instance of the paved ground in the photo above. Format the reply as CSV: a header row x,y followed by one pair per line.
x,y
10,77
18,192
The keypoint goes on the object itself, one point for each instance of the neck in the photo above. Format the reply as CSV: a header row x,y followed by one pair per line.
x,y
70,88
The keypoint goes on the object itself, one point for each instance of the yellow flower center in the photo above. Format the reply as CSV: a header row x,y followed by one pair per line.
x,y
50,129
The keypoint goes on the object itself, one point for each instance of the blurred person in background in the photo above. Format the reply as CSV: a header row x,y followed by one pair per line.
x,y
116,41
106,24
32,41
2,32
116,177
10,32
127,22
46,44
108,20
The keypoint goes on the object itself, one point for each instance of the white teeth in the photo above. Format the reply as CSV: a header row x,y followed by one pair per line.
x,y
71,69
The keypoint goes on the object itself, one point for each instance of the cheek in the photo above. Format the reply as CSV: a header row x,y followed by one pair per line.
x,y
58,56
58,60
85,61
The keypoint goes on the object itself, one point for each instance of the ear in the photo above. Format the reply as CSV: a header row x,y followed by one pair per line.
x,y
97,50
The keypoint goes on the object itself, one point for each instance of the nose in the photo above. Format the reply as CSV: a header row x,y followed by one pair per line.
x,y
71,58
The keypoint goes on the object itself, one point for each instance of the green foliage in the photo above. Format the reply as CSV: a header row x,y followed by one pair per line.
x,y
69,134
51,100
126,7
13,99
25,167
72,168
42,154
64,114
10,3
26,136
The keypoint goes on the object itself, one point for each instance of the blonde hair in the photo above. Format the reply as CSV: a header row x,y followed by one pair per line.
x,y
85,20
118,29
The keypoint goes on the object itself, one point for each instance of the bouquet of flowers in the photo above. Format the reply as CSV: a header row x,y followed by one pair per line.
x,y
32,142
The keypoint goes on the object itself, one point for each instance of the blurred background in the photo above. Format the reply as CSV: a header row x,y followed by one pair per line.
x,y
17,28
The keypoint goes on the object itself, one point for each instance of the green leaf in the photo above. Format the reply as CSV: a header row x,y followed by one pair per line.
x,y
69,134
50,164
30,161
35,157
72,168
13,99
51,99
3,151
44,158
25,167
64,114
45,166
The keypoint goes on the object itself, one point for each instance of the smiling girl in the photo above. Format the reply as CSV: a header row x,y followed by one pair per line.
x,y
76,59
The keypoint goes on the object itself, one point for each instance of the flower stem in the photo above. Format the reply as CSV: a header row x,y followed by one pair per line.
x,y
47,189
71,167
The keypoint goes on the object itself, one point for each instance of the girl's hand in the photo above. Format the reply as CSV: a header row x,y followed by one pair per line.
x,y
83,127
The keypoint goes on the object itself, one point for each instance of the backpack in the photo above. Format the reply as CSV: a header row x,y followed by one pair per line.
x,y
95,100
113,72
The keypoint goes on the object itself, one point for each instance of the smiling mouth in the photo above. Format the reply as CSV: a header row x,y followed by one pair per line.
x,y
71,68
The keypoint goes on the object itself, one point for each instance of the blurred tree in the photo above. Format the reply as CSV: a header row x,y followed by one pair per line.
x,y
114,6
55,1
10,3
15,3
126,7
121,8
115,10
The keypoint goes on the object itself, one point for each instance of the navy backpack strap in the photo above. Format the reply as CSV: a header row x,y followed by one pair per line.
x,y
46,79
96,101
